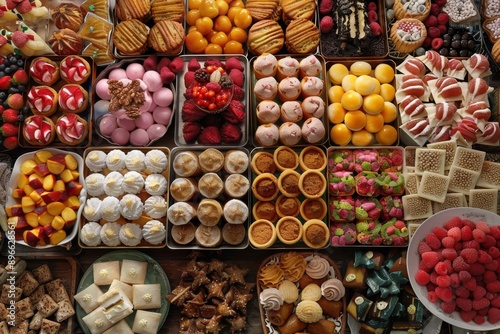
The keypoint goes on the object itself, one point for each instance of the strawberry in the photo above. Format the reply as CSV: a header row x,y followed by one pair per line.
x,y
20,38
10,116
20,78
24,7
10,4
15,101
5,82
8,129
10,142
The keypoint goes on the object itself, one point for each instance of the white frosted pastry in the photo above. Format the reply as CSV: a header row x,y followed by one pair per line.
x,y
110,208
185,164
115,160
210,185
154,232
87,298
155,207
90,234
92,210
135,160
95,160
131,207
235,162
113,184
146,322
183,189
133,272
147,296
156,184
105,272
180,213
124,287
133,182
120,327
109,234
93,184
236,185
235,211
156,161
130,234
117,305
96,321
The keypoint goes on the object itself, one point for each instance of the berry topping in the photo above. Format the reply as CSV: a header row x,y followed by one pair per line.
x,y
38,129
73,69
43,71
41,99
70,128
71,97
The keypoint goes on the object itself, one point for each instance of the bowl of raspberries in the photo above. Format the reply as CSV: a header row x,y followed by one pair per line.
x,y
453,265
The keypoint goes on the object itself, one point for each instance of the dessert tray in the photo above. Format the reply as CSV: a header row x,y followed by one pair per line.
x,y
154,275
288,272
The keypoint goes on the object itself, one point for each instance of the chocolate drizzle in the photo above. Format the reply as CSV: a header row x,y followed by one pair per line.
x,y
351,19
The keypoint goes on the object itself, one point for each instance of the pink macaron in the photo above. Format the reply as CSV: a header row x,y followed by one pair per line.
x,y
144,121
156,131
127,124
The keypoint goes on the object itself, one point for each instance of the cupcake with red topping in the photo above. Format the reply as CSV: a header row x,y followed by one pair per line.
x,y
395,233
366,184
73,98
74,70
42,100
366,160
71,129
390,160
39,130
44,71
368,232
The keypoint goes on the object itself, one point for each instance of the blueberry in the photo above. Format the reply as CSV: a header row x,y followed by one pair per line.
x,y
455,44
5,105
463,53
25,110
471,44
12,59
8,71
21,88
2,67
464,43
6,63
3,96
457,37
12,90
446,43
444,52
2,74
451,31
14,68
20,63
20,118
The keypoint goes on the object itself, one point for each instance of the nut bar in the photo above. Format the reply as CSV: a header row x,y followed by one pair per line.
x,y
431,160
433,186
469,159
462,180
451,200
490,175
485,199
416,207
450,146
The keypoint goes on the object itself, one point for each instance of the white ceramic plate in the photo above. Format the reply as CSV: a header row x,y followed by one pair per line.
x,y
413,258
13,184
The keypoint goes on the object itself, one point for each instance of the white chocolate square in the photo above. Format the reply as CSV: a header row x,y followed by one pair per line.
x,y
451,200
469,158
106,272
124,287
411,183
450,146
146,322
433,186
147,296
133,272
96,321
490,175
486,199
116,305
416,207
120,327
462,180
87,298
430,160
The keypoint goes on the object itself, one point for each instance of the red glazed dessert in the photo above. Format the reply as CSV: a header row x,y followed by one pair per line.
x,y
42,100
39,130
212,89
71,129
44,71
74,70
73,98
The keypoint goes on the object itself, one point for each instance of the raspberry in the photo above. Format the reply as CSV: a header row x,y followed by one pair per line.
x,y
493,315
448,308
421,266
435,10
464,276
375,28
445,294
449,267
325,7
492,266
471,284
455,221
467,316
431,21
422,277
469,255
464,304
443,281
442,28
372,6
455,233
458,247
440,3
493,287
488,242
479,319
483,312
372,16
423,247
440,254
326,24
468,222
433,32
440,232
479,293
495,302
462,292
490,296
473,244
433,241
478,304
431,287
448,242
427,42
484,257
437,42
430,259
440,268
449,253
460,265
480,225
466,233
433,277
476,269
495,232
443,18
455,280
479,235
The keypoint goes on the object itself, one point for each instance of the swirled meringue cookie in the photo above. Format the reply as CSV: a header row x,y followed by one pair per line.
x,y
271,299
95,160
92,210
133,182
130,234
89,234
155,207
131,207
333,289
113,184
115,160
235,211
135,160
110,208
180,213
154,232
110,234
156,184
156,161
93,184
318,267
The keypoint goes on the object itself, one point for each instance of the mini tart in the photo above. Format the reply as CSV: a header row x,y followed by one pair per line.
x,y
262,234
263,162
315,233
71,129
42,100
312,157
421,13
74,70
73,98
312,183
265,187
313,208
265,36
39,130
288,183
405,41
285,158
287,206
289,230
302,36
265,210
44,71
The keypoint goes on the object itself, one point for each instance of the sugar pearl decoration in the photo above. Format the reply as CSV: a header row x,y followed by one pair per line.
x,y
494,27
459,10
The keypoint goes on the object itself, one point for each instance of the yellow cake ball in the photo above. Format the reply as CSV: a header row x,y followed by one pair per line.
x,y
387,91
336,113
337,72
351,100
390,112
360,68
388,135
377,86
348,83
365,85
362,138
373,104
335,94
355,120
384,73
374,123
340,134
